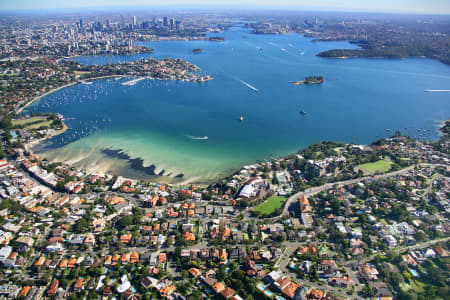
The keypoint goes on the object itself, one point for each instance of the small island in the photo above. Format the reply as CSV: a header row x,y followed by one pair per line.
x,y
309,80
197,50
216,39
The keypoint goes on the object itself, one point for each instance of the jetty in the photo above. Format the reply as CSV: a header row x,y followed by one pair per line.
x,y
133,82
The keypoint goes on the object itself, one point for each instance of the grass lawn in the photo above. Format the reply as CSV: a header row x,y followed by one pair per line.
x,y
81,72
338,150
416,286
378,166
383,221
27,123
37,125
29,120
11,75
270,205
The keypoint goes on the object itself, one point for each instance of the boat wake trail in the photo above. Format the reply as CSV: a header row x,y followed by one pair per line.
x,y
243,82
196,137
249,85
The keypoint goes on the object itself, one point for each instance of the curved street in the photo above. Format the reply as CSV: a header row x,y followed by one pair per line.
x,y
315,190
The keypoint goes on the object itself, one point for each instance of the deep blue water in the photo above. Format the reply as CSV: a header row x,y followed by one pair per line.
x,y
156,120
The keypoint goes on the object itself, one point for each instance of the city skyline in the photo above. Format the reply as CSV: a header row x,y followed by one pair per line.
x,y
401,6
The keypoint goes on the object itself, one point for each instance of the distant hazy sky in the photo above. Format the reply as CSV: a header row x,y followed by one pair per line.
x,y
406,6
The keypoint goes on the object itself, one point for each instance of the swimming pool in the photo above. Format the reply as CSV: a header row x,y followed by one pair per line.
x,y
414,273
268,293
261,287
279,298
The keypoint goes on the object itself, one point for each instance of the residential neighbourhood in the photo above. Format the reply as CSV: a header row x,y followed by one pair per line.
x,y
331,221
346,234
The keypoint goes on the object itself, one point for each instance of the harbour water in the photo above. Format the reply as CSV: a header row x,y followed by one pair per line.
x,y
181,131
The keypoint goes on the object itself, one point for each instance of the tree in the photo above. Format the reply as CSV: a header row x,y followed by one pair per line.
x,y
395,280
430,291
405,295
2,153
421,236
195,295
221,273
81,226
125,221
335,205
398,213
274,178
177,252
6,123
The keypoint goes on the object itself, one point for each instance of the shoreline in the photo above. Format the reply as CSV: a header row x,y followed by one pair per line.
x,y
87,79
28,146
130,167
186,180
107,54
62,87
43,95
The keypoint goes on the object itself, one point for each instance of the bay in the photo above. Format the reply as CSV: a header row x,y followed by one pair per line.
x,y
159,127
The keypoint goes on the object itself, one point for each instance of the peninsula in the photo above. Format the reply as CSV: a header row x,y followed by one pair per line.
x,y
60,73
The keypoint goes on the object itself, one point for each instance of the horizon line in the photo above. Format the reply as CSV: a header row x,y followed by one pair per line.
x,y
199,7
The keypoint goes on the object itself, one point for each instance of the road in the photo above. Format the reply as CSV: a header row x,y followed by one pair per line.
x,y
315,190
398,250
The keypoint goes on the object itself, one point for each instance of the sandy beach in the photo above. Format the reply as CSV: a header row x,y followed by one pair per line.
x,y
29,145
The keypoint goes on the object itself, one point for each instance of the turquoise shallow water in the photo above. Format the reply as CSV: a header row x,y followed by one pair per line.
x,y
153,127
